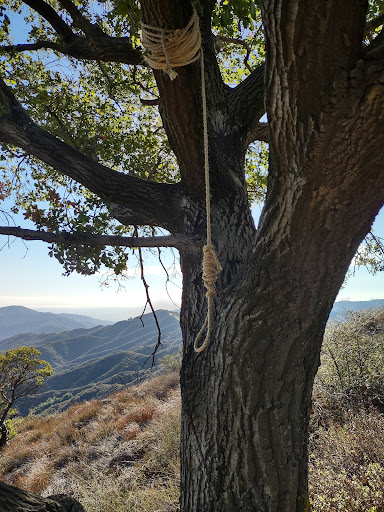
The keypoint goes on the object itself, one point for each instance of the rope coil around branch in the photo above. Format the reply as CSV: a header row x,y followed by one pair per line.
x,y
168,49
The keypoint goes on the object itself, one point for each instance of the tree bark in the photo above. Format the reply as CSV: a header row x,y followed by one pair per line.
x,y
246,398
4,434
13,499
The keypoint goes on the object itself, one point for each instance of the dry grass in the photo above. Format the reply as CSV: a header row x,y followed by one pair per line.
x,y
347,465
98,451
122,454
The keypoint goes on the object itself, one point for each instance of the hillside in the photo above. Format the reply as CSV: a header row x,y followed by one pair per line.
x,y
90,363
18,319
121,454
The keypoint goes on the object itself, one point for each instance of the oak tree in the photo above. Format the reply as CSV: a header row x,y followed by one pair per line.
x,y
106,144
22,372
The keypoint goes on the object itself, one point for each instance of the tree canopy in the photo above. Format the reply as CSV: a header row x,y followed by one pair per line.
x,y
80,73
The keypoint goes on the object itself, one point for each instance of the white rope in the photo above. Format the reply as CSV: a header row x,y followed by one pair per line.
x,y
166,50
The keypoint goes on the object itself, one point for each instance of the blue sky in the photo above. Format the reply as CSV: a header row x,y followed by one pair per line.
x,y
32,279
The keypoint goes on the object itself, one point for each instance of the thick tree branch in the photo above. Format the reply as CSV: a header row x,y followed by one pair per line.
x,y
30,47
180,99
80,21
49,14
150,103
152,203
95,46
325,99
301,76
247,107
16,500
375,50
260,132
63,238
107,49
373,24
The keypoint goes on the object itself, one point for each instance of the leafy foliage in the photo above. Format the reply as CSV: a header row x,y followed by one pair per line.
x,y
346,468
172,362
22,372
96,107
371,254
353,358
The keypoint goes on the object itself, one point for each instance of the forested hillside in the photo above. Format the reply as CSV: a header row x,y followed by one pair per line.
x,y
90,363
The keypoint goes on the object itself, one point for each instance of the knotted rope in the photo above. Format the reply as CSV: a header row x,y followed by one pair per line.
x,y
168,49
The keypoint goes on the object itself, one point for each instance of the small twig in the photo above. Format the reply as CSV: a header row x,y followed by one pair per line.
x,y
148,302
105,73
168,280
135,81
59,122
378,241
241,42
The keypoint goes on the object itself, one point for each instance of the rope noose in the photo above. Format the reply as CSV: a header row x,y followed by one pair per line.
x,y
167,49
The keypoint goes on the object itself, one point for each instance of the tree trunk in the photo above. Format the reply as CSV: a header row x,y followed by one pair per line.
x,y
246,398
13,499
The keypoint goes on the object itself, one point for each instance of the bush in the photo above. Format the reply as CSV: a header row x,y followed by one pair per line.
x,y
172,362
346,465
352,360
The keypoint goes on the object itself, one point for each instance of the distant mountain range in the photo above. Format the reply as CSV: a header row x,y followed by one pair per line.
x,y
18,319
90,363
341,308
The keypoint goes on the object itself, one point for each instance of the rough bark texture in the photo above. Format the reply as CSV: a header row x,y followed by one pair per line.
x,y
13,499
246,398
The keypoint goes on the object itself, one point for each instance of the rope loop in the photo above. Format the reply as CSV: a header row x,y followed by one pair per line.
x,y
211,269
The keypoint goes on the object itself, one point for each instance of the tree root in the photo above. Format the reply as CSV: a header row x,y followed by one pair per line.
x,y
13,499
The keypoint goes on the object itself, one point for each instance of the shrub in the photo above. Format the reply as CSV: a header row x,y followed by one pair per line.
x,y
172,362
352,360
346,465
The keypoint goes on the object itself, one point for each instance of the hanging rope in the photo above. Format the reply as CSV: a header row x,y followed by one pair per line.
x,y
167,49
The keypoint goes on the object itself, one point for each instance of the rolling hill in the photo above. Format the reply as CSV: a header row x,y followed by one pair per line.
x,y
18,319
341,308
90,363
